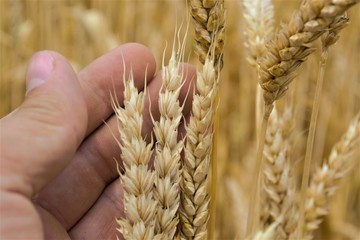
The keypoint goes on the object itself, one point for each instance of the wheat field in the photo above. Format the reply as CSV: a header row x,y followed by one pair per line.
x,y
83,30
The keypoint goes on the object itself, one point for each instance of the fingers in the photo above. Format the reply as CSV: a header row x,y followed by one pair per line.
x,y
105,74
74,191
19,218
51,227
99,222
41,136
94,167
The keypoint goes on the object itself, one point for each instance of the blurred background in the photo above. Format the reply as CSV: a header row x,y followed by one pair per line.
x,y
83,30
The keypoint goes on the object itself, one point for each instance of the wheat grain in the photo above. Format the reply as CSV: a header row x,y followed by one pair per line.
x,y
195,197
140,205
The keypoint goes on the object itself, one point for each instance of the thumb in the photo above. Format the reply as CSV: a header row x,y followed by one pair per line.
x,y
40,137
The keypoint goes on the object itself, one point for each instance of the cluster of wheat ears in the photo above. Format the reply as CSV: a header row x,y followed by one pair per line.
x,y
171,197
211,183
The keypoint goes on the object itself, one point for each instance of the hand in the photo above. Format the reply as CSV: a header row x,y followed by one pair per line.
x,y
58,174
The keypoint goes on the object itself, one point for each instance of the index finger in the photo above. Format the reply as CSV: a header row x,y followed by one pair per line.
x,y
103,75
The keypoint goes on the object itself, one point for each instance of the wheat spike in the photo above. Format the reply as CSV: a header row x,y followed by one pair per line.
x,y
195,196
326,179
277,183
140,205
289,48
259,21
168,148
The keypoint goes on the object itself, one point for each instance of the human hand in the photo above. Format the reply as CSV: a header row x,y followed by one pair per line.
x,y
58,176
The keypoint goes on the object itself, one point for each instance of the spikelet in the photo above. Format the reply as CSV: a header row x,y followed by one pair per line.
x,y
168,148
289,48
140,205
195,197
259,21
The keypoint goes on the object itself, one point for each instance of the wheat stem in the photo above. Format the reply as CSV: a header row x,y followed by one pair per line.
x,y
310,140
328,40
254,212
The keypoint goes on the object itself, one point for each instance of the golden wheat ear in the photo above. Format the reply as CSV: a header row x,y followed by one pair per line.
x,y
195,197
326,179
290,47
277,183
137,179
167,148
259,27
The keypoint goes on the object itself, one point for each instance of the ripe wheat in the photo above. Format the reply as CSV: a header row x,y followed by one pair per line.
x,y
195,197
168,149
140,205
289,48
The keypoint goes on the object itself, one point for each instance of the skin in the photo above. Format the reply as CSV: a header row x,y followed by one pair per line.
x,y
58,177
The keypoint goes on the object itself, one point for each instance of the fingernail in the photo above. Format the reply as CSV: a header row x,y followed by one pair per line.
x,y
39,70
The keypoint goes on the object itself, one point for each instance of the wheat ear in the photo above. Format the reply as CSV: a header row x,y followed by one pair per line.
x,y
168,148
195,197
209,23
326,179
289,48
277,184
140,205
259,27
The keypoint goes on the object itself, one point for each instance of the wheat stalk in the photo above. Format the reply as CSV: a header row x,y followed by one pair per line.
x,y
140,205
168,148
195,197
326,179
